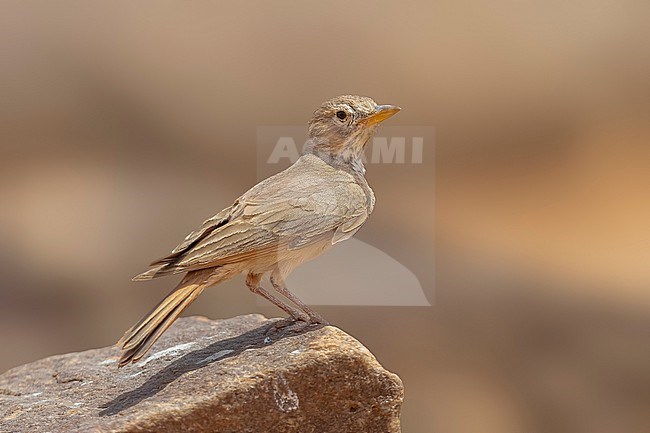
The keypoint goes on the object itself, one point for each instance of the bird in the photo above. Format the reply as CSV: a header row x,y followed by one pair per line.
x,y
283,221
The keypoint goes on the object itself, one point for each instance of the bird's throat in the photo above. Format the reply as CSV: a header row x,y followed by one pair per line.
x,y
347,154
348,159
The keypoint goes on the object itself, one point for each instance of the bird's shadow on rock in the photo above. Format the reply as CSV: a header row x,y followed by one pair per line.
x,y
217,351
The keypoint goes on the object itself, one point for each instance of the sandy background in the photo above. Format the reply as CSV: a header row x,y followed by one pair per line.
x,y
124,125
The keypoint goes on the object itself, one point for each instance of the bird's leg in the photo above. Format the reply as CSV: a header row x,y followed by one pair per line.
x,y
278,284
253,282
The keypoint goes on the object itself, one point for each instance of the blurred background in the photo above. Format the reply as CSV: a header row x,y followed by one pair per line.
x,y
123,125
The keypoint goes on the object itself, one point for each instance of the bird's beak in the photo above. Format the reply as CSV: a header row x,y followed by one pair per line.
x,y
382,112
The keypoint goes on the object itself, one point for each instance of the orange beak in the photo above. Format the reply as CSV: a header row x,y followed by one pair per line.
x,y
382,112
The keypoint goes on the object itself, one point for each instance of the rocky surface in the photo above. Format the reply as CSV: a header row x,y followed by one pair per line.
x,y
234,375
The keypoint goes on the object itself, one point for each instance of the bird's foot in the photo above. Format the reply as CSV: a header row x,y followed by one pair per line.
x,y
316,319
293,325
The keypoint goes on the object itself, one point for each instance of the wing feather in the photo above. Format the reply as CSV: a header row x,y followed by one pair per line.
x,y
303,204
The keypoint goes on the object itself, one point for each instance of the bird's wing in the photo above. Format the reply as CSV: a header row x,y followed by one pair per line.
x,y
292,209
194,237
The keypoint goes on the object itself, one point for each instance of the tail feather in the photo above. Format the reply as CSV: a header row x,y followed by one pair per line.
x,y
158,270
139,339
154,317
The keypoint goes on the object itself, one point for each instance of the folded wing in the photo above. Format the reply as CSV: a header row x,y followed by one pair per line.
x,y
301,205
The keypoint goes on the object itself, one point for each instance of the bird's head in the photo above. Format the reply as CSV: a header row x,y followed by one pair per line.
x,y
341,127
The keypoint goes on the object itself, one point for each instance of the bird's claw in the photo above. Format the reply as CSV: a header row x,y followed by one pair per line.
x,y
293,325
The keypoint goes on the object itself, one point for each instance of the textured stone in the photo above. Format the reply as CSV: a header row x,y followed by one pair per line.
x,y
209,376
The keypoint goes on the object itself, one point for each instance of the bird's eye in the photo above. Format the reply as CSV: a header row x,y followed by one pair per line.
x,y
341,114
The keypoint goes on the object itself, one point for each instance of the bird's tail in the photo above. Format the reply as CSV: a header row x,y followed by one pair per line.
x,y
139,339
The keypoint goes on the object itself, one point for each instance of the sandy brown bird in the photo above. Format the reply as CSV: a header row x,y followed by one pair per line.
x,y
281,222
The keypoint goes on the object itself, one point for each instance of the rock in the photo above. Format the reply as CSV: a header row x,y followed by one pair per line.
x,y
209,376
